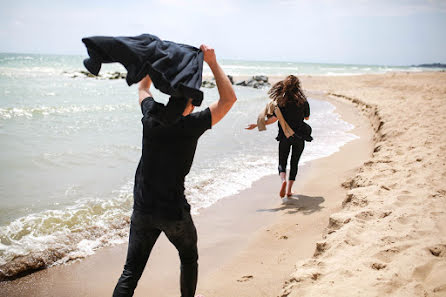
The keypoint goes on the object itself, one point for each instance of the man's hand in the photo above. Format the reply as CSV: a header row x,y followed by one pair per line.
x,y
251,126
227,95
208,54
144,88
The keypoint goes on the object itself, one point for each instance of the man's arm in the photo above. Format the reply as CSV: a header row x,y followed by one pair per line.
x,y
144,88
227,95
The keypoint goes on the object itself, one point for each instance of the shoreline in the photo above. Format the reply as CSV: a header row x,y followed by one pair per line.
x,y
233,219
268,260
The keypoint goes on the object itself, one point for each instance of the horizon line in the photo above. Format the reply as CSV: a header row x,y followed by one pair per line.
x,y
251,60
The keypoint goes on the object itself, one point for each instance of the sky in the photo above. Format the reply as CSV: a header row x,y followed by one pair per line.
x,y
380,32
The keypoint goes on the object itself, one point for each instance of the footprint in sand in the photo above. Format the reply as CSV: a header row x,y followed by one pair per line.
x,y
355,200
438,250
404,219
403,199
336,221
395,239
245,278
365,215
421,272
321,247
387,255
385,214
378,266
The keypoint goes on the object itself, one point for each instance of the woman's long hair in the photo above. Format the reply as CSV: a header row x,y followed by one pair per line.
x,y
287,91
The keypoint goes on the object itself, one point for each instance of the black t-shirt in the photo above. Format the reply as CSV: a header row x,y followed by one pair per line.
x,y
167,155
294,115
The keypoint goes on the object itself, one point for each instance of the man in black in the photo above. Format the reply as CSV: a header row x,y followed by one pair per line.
x,y
159,201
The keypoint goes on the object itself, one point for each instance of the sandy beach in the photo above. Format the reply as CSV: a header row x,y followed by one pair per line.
x,y
365,221
389,238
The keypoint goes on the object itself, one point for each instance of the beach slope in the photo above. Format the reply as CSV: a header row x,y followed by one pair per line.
x,y
389,239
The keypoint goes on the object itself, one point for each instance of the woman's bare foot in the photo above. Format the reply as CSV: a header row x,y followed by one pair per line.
x,y
290,186
282,189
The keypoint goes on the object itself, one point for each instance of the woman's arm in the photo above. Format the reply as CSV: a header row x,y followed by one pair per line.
x,y
269,121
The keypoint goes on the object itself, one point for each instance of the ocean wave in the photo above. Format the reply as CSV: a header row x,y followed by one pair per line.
x,y
226,179
70,158
16,58
57,236
32,71
29,112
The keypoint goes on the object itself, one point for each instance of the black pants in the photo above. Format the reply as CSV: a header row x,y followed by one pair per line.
x,y
144,231
296,152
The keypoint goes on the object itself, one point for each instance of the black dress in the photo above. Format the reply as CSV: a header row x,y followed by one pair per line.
x,y
294,115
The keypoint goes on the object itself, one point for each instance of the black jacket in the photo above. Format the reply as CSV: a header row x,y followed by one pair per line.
x,y
175,69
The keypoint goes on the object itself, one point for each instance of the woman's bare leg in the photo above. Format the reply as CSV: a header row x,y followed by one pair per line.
x,y
283,187
289,193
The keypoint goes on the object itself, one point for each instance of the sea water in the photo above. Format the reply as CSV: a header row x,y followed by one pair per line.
x,y
70,146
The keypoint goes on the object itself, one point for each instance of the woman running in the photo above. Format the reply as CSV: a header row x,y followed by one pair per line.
x,y
290,106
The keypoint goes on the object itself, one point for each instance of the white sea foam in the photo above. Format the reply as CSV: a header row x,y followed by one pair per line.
x,y
72,233
29,112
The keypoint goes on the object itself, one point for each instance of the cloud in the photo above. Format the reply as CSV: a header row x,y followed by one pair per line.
x,y
319,30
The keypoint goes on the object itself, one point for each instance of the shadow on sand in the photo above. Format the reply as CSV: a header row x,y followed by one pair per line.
x,y
299,203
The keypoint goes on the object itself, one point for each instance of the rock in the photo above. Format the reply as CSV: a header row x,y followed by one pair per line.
x,y
263,78
86,73
208,84
231,79
251,82
115,75
431,65
257,82
261,85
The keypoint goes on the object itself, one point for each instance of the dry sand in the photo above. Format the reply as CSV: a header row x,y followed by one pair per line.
x,y
389,239
389,236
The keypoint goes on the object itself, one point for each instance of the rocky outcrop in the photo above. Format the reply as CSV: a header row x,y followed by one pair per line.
x,y
208,84
431,65
211,83
257,82
106,75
